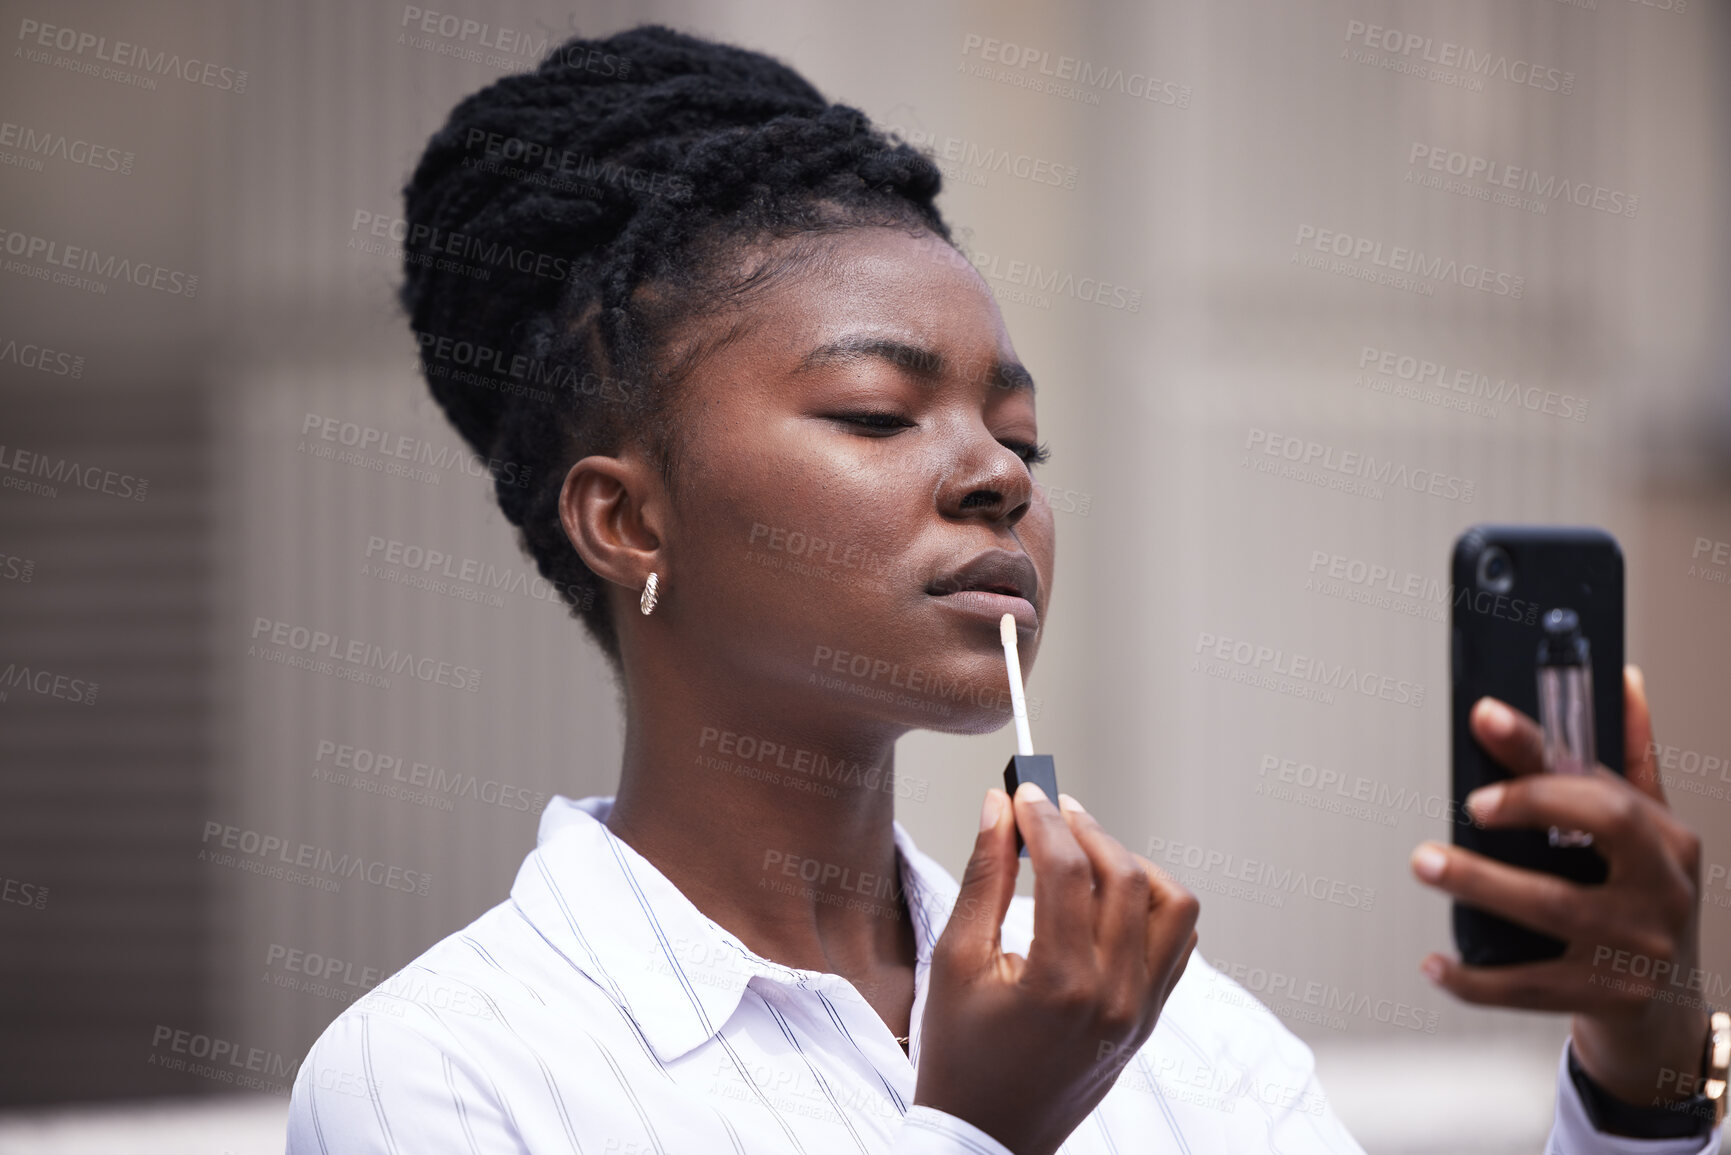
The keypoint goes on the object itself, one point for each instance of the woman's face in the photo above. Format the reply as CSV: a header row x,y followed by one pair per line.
x,y
855,511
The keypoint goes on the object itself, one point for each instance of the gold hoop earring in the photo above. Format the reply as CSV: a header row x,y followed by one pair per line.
x,y
651,593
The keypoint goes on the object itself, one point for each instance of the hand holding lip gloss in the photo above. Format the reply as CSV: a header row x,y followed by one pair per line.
x,y
1024,1038
1024,765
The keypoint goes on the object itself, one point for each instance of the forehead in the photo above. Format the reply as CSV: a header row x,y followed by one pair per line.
x,y
914,287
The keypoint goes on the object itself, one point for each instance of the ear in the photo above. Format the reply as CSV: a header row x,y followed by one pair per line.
x,y
612,509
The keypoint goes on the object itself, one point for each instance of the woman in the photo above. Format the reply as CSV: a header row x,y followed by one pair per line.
x,y
727,318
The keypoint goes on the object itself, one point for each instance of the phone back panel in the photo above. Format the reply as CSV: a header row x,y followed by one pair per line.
x,y
1495,639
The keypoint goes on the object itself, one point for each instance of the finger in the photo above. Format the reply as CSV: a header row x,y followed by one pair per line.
x,y
1122,896
1063,882
1561,985
1641,769
1620,818
1523,738
1172,921
1639,764
1640,838
1183,961
988,884
1544,902
1509,736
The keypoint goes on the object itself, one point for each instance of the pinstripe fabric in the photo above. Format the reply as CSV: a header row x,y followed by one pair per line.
x,y
599,1011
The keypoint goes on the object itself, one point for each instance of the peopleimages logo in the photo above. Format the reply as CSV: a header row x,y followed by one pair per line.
x,y
509,49
232,1057
1321,788
463,578
1401,260
422,244
1277,989
739,749
964,155
1355,467
373,771
16,569
1472,384
370,439
516,156
1081,79
47,683
127,55
1031,283
111,268
1276,881
64,471
479,33
1413,49
323,966
1543,189
34,144
21,893
317,650
273,852
1276,662
542,380
1383,587
41,358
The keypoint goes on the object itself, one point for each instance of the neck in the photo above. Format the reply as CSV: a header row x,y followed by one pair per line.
x,y
775,821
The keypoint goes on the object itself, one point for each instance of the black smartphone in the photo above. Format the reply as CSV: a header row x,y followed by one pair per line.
x,y
1504,580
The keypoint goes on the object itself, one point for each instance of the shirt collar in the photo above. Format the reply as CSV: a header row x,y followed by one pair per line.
x,y
677,973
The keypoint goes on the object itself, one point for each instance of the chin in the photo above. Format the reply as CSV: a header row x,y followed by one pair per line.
x,y
960,722
943,683
967,696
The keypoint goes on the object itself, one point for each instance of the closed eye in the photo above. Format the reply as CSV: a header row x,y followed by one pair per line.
x,y
1030,453
877,422
885,424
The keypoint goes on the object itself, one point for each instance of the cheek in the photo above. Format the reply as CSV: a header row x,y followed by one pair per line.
x,y
1038,533
799,503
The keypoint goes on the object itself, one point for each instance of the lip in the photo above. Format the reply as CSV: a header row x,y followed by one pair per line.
x,y
990,585
991,608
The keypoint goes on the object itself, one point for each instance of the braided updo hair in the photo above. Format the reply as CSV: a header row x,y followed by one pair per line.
x,y
565,223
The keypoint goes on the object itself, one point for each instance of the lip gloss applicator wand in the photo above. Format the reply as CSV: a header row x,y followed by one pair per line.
x,y
1025,765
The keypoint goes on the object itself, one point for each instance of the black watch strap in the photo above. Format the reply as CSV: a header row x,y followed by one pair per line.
x,y
1684,1119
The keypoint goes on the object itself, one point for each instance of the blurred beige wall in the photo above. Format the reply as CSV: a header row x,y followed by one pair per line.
x,y
1269,127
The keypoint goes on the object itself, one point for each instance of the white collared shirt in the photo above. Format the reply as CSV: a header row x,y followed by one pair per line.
x,y
599,1011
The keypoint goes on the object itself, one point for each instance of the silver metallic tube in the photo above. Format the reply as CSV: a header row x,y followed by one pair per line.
x,y
1566,706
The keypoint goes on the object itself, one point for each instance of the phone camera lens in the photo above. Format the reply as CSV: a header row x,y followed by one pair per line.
x,y
1496,570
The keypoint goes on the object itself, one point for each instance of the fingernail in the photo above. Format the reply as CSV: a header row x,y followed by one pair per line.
x,y
989,812
1428,860
1031,792
1065,802
1498,718
1484,801
1432,967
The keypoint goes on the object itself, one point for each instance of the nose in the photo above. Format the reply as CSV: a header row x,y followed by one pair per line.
x,y
987,480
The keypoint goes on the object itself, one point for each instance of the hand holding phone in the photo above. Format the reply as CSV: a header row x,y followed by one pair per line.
x,y
1608,930
1630,974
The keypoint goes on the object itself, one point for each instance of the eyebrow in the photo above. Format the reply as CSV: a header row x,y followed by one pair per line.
x,y
916,359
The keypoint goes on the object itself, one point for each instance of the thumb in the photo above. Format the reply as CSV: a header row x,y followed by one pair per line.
x,y
988,884
1639,766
